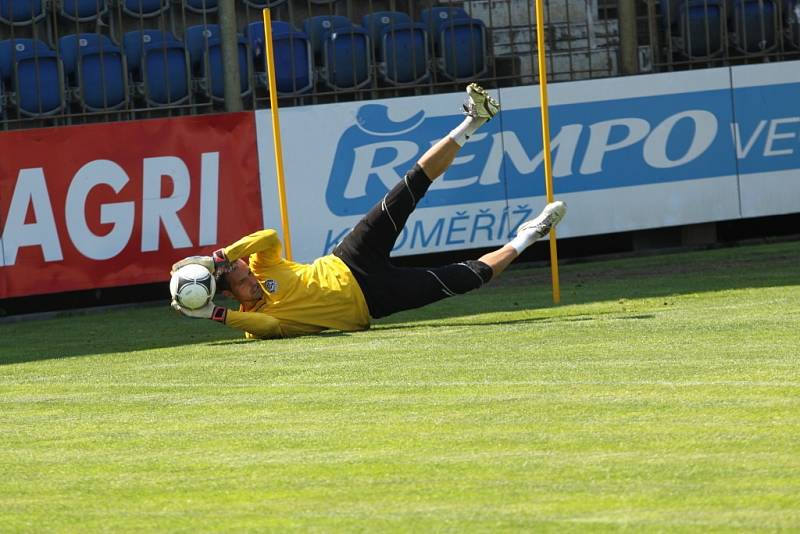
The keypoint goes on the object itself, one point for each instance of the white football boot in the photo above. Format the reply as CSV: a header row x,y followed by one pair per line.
x,y
545,221
479,104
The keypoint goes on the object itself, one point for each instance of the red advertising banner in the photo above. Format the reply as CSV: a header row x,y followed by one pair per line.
x,y
106,205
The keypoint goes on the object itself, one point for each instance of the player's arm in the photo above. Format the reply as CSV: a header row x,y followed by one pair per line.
x,y
255,324
265,243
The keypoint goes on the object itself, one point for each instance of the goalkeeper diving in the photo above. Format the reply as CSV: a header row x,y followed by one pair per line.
x,y
345,290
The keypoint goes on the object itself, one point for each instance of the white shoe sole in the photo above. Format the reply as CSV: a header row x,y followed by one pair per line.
x,y
482,104
550,216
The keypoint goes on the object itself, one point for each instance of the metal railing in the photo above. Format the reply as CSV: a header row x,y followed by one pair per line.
x,y
688,34
75,61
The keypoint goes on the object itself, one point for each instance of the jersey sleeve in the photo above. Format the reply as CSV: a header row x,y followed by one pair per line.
x,y
255,324
264,243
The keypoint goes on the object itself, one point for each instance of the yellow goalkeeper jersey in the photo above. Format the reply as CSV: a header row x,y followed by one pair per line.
x,y
298,298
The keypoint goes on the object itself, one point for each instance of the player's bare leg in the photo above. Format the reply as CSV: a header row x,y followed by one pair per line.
x,y
479,108
500,259
439,157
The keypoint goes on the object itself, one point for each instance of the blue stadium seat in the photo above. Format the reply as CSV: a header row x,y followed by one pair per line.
x,y
102,78
165,73
375,22
755,27
134,42
34,74
71,46
435,17
201,6
342,50
215,87
82,10
261,4
401,46
280,27
459,42
346,58
197,38
205,55
404,50
11,49
95,66
462,49
21,12
294,64
317,28
254,33
144,8
701,28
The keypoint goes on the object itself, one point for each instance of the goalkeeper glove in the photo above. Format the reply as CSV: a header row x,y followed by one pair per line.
x,y
209,311
221,263
217,264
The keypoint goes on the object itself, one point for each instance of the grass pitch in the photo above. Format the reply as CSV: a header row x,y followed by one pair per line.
x,y
662,395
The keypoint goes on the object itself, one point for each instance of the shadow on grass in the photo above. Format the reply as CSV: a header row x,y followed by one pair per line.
x,y
329,333
120,332
538,320
657,276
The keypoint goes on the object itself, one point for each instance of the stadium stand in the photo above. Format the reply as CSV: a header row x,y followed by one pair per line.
x,y
393,49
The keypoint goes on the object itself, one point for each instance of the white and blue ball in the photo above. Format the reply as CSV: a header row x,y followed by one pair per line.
x,y
192,286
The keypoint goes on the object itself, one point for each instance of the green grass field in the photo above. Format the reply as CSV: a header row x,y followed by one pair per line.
x,y
662,395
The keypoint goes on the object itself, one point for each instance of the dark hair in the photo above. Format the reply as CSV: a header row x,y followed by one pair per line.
x,y
222,282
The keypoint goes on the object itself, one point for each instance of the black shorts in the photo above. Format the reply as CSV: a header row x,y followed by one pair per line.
x,y
386,287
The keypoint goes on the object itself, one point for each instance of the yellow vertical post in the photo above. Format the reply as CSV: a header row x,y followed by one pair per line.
x,y
276,133
548,164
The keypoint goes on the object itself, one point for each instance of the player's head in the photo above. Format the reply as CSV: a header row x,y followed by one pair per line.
x,y
240,283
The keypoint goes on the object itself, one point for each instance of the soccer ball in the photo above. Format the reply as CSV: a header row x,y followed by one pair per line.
x,y
192,286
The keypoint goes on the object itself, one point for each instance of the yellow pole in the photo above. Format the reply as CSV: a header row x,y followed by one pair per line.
x,y
276,133
548,165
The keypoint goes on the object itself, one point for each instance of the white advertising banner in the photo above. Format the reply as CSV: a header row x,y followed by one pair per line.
x,y
766,102
628,153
